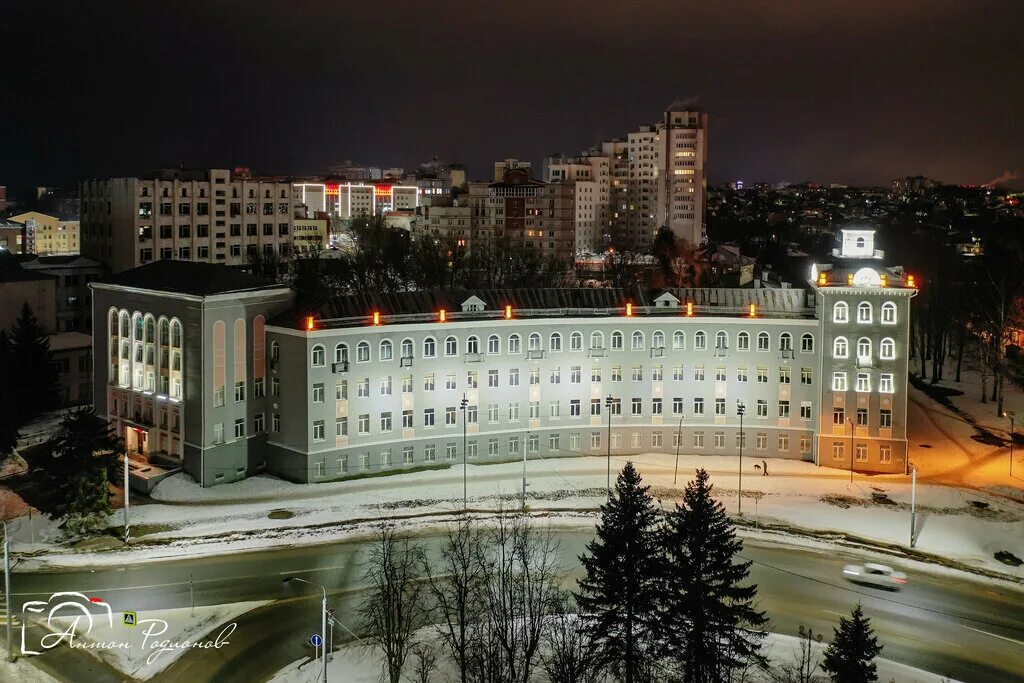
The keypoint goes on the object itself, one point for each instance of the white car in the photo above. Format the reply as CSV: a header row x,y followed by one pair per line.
x,y
875,575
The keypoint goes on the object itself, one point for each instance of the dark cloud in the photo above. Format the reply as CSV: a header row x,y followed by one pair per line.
x,y
802,89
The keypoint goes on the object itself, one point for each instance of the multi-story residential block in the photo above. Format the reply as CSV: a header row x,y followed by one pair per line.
x,y
72,275
181,370
49,235
448,218
349,200
72,352
527,373
504,166
526,211
310,235
12,237
215,216
590,177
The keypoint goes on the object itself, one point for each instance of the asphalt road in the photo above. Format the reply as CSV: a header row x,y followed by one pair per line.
x,y
964,629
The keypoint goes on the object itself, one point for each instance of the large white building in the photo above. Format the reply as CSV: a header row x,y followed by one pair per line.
x,y
369,384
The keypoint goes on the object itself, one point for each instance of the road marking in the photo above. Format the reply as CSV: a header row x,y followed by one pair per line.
x,y
838,614
316,569
994,635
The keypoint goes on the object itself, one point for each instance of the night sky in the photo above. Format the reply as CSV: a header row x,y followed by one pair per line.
x,y
855,92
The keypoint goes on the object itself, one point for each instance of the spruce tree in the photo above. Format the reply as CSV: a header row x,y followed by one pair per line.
x,y
9,411
707,618
33,370
618,597
850,656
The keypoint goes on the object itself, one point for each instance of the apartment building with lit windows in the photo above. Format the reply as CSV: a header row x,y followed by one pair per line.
x,y
212,216
367,384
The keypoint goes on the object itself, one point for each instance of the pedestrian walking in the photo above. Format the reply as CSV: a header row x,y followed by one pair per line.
x,y
764,466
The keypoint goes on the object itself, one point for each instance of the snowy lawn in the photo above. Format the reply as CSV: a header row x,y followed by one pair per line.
x,y
357,663
22,671
161,636
960,524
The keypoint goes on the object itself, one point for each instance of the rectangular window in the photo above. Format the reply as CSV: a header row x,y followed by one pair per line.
x,y
318,393
428,382
218,432
636,407
492,447
720,373
364,423
657,373
534,410
805,410
513,445
656,406
257,423
838,452
258,390
218,397
472,449
885,419
239,391
513,410
556,376
595,374
449,416
534,376
595,406
595,440
554,409
784,409
385,386
863,382
450,451
407,385
698,439
275,386
318,430
341,427
806,376
275,422
429,453
553,442
385,421
363,388
741,374
885,450
677,373
428,417
838,416
762,407
783,442
407,457
862,417
492,378
838,381
783,375
719,439
575,441
574,408
513,377
761,441
805,443
698,406
449,381
861,452
575,374
762,375
698,373
406,419
885,383
471,414
719,406
471,379
638,374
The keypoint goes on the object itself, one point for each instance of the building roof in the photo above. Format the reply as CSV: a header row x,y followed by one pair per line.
x,y
65,341
11,271
189,277
58,261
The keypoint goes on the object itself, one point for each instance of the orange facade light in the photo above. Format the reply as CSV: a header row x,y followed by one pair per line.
x,y
883,280
822,279
442,316
689,309
376,317
309,323
508,312
911,282
849,279
753,310
629,310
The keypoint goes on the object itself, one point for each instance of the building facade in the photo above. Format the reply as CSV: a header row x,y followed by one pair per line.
x,y
213,216
49,235
72,275
370,384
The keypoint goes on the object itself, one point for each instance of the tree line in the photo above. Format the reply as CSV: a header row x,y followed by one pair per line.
x,y
664,597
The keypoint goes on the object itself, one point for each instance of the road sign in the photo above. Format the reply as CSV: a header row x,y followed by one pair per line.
x,y
131,619
316,640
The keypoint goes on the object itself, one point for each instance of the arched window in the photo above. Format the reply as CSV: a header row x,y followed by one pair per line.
x,y
126,325
700,340
575,341
219,363
658,340
860,242
721,340
864,349
534,342
341,353
597,340
317,356
839,348
763,341
637,343
514,343
240,357
275,351
555,342
473,344
863,312
165,332
407,348
807,343
743,341
616,341
840,312
451,346
887,349
363,352
112,321
137,326
175,333
429,347
259,348
385,351
678,340
494,344
150,329
785,342
888,313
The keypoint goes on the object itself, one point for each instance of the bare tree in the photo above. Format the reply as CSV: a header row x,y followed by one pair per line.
x,y
456,586
425,663
807,660
568,655
393,608
520,593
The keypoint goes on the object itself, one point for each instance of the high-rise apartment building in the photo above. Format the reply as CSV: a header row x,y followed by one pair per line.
x,y
214,215
656,179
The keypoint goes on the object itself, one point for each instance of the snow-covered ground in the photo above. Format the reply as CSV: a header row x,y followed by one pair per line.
x,y
358,663
161,636
22,670
965,525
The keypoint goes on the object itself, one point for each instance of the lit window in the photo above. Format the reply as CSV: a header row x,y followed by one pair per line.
x,y
318,356
887,349
888,313
840,348
700,340
385,350
363,352
863,382
807,344
885,383
863,312
864,349
763,341
838,381
743,341
840,312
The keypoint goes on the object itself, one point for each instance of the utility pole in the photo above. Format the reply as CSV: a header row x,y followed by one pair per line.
x,y
679,441
608,404
913,505
323,620
127,530
741,409
192,595
524,469
850,421
7,594
1010,414
465,458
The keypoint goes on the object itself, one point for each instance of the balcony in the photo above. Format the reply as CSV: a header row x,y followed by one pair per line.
x,y
339,367
658,352
405,362
597,352
476,357
536,354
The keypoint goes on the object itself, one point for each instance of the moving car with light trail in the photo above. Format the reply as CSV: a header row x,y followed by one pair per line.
x,y
877,575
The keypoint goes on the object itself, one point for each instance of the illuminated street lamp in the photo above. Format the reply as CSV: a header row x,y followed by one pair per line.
x,y
323,618
741,410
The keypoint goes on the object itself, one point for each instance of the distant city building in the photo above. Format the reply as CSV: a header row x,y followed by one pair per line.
x,y
12,237
590,177
19,286
72,352
3,197
215,215
310,235
913,185
72,274
49,235
349,200
506,165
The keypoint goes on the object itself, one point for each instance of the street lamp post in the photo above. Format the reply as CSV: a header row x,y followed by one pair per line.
x,y
524,469
851,448
679,441
127,529
465,457
1010,414
741,410
7,594
608,402
323,619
